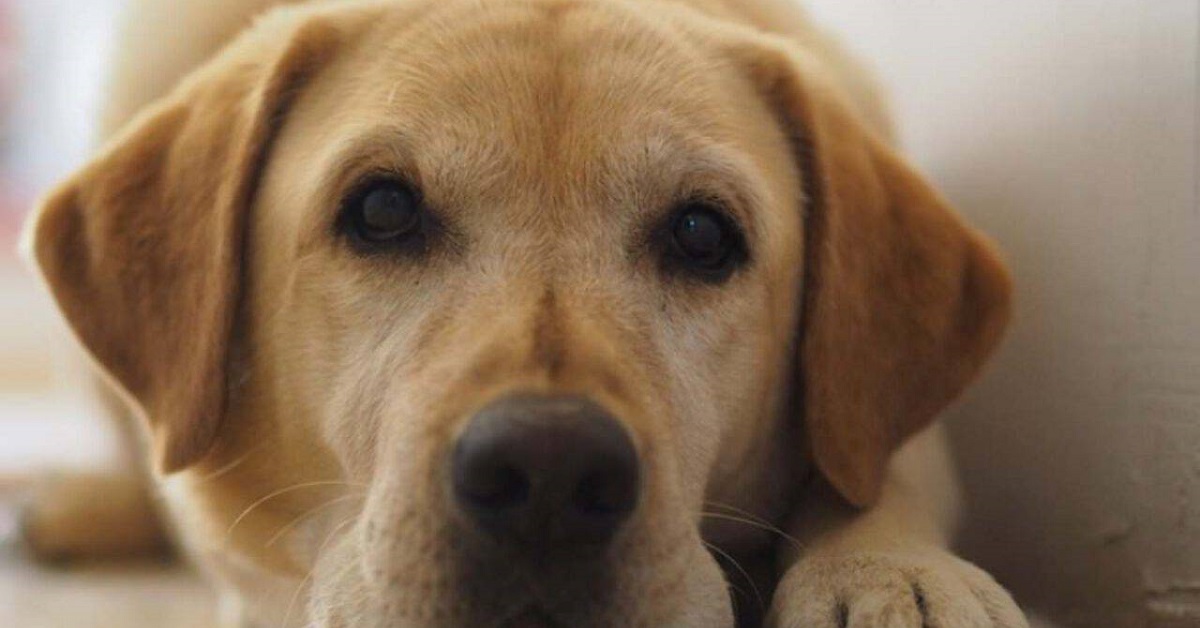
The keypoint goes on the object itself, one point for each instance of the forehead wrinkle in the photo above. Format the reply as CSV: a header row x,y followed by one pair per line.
x,y
477,62
681,166
662,140
522,71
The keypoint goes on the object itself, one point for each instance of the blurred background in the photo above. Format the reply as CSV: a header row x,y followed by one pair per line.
x,y
53,56
51,68
1069,131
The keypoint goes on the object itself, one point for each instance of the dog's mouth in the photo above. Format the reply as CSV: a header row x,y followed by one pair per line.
x,y
531,617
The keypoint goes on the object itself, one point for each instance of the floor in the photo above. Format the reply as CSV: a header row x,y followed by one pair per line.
x,y
113,597
135,595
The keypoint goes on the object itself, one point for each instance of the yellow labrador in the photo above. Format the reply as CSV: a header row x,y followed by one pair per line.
x,y
531,313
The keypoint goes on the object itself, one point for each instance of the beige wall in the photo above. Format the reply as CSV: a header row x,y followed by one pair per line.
x,y
1068,130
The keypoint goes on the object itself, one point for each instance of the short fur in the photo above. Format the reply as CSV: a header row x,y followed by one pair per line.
x,y
300,396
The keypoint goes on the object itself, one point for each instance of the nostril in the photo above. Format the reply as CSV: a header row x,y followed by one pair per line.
x,y
606,493
493,487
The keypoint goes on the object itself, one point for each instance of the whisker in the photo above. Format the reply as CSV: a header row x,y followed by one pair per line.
x,y
354,600
796,544
752,520
346,602
230,466
736,510
312,511
762,605
309,576
278,493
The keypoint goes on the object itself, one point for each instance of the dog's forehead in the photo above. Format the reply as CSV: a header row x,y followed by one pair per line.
x,y
532,110
520,86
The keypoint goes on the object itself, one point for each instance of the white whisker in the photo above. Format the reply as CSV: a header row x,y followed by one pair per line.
x,y
309,513
309,576
278,493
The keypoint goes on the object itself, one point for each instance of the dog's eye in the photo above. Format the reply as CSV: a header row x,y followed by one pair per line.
x,y
384,212
705,241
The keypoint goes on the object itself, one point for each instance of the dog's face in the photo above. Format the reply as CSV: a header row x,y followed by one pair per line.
x,y
488,303
475,218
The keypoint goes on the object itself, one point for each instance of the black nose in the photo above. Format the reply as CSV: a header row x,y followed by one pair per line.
x,y
546,471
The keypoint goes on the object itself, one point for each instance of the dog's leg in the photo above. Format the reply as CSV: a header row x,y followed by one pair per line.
x,y
105,514
890,565
93,516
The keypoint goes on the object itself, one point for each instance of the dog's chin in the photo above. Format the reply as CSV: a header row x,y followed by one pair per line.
x,y
709,613
532,617
690,593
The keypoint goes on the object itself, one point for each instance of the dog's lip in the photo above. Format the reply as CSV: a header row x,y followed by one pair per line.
x,y
531,617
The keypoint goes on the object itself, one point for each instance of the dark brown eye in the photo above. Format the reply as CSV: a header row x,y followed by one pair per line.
x,y
386,211
706,242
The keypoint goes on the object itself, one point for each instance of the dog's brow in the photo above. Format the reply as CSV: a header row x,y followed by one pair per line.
x,y
372,152
690,166
377,151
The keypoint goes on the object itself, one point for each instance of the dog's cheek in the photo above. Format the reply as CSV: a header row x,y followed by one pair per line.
x,y
353,417
369,394
710,604
369,575
339,594
690,411
706,602
713,391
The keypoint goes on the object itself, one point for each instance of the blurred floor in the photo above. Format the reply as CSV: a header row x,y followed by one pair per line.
x,y
144,595
39,434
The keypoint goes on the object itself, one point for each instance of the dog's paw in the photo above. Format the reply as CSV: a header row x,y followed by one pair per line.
x,y
892,590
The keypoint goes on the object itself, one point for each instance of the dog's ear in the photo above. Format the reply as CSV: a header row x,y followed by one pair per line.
x,y
142,247
903,301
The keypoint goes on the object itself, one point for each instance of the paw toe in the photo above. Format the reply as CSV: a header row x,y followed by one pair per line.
x,y
888,591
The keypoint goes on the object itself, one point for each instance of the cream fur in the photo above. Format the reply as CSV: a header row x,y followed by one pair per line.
x,y
301,397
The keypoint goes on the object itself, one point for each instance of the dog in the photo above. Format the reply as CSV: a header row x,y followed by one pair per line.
x,y
528,313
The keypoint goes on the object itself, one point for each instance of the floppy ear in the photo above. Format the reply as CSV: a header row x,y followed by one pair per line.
x,y
903,302
142,248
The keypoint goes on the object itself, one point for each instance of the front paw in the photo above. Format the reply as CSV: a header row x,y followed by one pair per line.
x,y
891,590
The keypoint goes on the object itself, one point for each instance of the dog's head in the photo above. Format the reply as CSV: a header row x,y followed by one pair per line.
x,y
460,312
